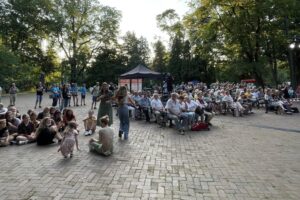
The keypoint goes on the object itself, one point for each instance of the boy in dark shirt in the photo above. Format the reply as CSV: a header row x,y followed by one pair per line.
x,y
26,131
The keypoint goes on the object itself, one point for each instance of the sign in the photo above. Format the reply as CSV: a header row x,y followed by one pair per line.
x,y
136,84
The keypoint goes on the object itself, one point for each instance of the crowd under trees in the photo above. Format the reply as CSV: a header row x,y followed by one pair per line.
x,y
219,40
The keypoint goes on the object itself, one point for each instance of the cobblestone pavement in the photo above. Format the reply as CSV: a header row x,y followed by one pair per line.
x,y
254,157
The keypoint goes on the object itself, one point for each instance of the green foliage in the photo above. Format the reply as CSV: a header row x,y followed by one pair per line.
x,y
82,28
107,66
159,63
136,50
251,34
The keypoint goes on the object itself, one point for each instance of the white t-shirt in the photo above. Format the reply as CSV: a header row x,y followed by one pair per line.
x,y
156,104
192,105
173,107
227,98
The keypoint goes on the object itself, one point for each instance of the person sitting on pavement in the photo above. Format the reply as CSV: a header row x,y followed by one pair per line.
x,y
44,113
68,116
47,132
4,134
3,111
26,131
57,118
14,111
173,108
103,145
33,119
12,124
90,123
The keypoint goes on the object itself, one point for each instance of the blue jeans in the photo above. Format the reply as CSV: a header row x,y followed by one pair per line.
x,y
124,120
64,104
39,99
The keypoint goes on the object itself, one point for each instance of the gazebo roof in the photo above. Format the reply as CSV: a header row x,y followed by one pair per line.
x,y
140,72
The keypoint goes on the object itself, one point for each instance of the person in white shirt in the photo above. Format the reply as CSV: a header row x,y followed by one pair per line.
x,y
158,110
174,113
191,107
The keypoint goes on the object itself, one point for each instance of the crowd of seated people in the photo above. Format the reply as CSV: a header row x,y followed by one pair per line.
x,y
190,103
42,128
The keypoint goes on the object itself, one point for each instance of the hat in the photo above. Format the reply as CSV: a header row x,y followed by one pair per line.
x,y
2,109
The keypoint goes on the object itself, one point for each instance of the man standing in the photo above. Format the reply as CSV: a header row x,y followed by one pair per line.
x,y
13,94
39,95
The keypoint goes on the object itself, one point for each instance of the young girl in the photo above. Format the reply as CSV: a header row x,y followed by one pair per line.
x,y
69,140
90,124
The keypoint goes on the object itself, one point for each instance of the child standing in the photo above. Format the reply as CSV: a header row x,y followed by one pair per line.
x,y
90,123
83,94
69,140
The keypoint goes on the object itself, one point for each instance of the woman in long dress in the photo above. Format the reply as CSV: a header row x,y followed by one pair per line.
x,y
105,107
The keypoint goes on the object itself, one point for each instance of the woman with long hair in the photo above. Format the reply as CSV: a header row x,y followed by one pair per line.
x,y
46,132
105,107
122,101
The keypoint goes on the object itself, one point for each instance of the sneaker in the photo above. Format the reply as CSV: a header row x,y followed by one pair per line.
x,y
90,132
13,142
86,133
181,132
22,142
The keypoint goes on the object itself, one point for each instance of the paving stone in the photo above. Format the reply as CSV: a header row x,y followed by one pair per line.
x,y
240,158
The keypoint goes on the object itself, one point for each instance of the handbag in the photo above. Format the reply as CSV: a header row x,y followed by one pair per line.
x,y
200,126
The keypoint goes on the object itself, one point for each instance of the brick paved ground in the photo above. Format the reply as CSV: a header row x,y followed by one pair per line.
x,y
240,158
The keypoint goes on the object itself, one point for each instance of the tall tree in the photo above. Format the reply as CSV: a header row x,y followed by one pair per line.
x,y
82,28
245,33
160,57
107,66
135,49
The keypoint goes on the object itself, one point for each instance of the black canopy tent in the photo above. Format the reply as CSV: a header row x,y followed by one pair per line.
x,y
141,72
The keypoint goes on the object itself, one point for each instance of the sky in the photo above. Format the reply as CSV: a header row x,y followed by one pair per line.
x,y
140,15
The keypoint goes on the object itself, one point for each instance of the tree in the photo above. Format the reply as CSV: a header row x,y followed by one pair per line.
x,y
246,33
175,61
136,50
160,57
107,66
82,28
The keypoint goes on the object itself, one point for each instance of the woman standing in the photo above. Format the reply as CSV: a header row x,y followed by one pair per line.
x,y
105,104
65,96
122,101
